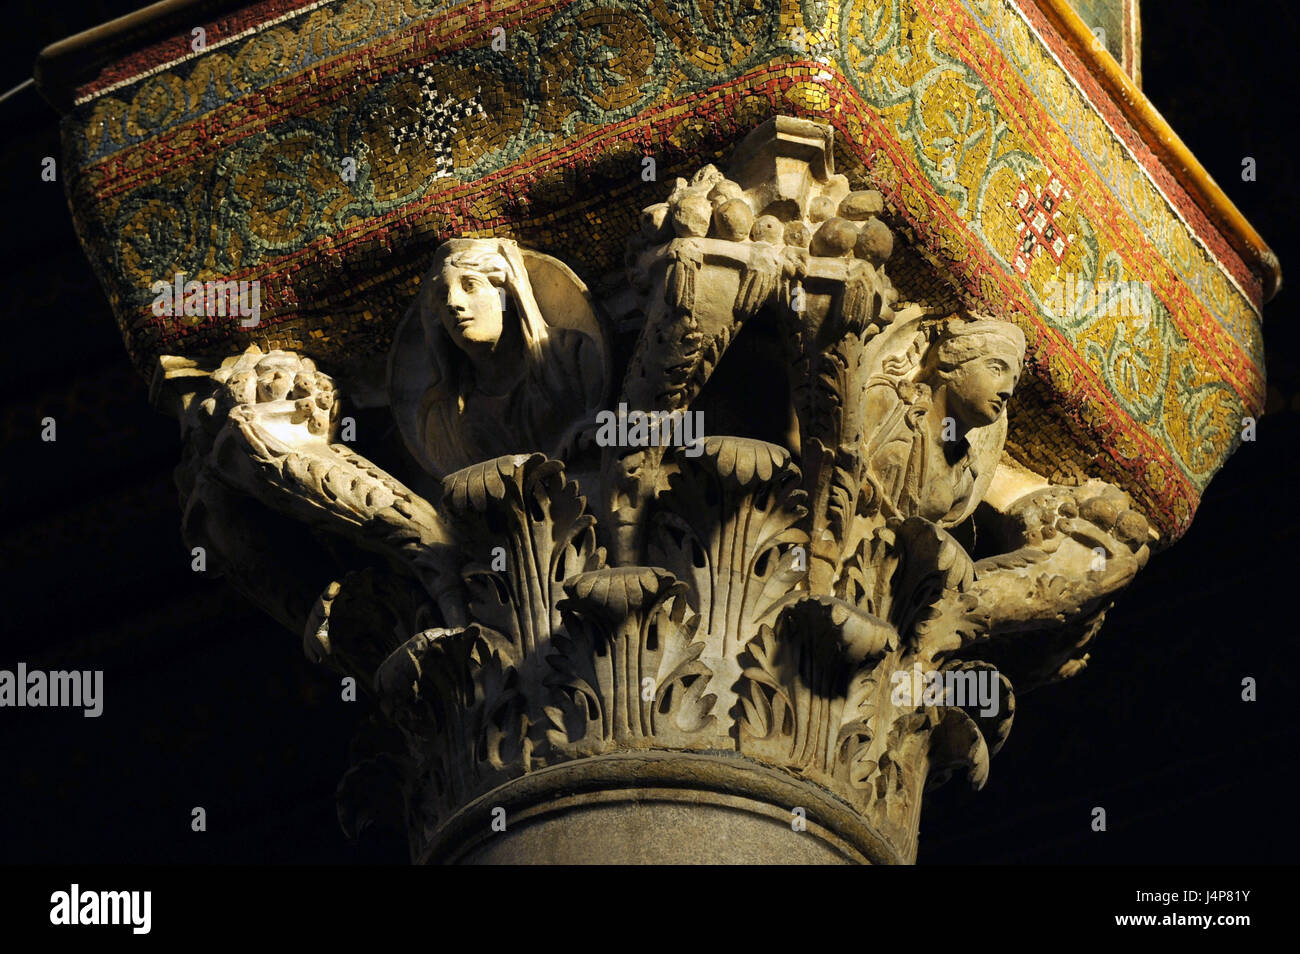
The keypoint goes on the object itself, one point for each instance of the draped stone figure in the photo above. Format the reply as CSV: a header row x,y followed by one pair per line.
x,y
939,425
501,353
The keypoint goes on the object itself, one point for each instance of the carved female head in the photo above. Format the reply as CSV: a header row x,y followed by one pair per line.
x,y
468,291
477,301
979,362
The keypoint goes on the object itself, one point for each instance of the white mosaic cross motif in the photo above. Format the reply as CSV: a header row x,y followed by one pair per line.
x,y
436,122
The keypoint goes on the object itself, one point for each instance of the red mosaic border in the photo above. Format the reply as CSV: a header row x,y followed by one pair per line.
x,y
177,47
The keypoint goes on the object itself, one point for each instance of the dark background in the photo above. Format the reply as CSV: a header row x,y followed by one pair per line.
x,y
209,703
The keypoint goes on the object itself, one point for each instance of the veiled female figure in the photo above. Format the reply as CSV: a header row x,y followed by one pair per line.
x,y
497,376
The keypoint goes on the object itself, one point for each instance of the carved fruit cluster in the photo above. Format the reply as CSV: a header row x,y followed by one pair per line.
x,y
835,224
1050,513
258,378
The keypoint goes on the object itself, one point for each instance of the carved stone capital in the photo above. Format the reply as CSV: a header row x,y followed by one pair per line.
x,y
596,628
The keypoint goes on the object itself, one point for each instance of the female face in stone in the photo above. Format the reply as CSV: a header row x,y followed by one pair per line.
x,y
979,389
468,304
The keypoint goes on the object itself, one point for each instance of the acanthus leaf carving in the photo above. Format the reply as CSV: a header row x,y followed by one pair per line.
x,y
795,680
728,527
627,670
521,514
